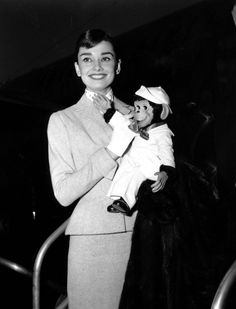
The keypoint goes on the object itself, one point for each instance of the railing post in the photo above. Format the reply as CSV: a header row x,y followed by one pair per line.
x,y
224,287
38,262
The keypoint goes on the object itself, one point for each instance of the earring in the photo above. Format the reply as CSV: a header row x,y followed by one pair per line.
x,y
117,71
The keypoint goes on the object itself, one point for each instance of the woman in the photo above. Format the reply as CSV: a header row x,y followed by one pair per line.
x,y
83,154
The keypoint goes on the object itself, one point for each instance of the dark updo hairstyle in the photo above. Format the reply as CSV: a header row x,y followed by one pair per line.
x,y
157,109
91,38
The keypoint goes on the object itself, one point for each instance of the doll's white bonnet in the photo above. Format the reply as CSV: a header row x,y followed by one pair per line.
x,y
156,95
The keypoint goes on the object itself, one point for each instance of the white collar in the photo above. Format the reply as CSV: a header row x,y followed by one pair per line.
x,y
90,94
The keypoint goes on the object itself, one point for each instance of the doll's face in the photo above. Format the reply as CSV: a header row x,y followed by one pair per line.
x,y
143,113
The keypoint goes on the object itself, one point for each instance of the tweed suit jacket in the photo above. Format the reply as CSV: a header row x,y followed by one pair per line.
x,y
82,170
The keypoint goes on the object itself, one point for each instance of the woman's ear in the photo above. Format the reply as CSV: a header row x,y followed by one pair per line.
x,y
118,67
77,70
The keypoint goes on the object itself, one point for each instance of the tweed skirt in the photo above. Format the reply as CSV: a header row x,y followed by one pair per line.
x,y
96,270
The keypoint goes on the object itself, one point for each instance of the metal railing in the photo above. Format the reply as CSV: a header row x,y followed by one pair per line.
x,y
222,292
15,267
38,264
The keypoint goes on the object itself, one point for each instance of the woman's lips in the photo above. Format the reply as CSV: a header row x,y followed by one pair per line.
x,y
97,76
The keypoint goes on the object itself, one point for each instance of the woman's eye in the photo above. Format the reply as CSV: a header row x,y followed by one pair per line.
x,y
145,107
105,59
86,59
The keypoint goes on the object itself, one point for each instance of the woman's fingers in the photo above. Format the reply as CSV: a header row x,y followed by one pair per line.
x,y
101,102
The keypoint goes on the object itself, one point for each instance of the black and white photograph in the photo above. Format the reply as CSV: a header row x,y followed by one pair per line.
x,y
118,160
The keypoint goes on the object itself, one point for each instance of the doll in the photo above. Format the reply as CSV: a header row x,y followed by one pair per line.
x,y
150,155
150,152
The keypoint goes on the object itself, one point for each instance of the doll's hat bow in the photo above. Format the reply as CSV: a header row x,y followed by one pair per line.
x,y
156,95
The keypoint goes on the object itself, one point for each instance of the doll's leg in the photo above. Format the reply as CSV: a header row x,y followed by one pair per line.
x,y
127,195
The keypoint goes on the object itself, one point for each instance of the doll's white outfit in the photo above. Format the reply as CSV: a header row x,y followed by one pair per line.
x,y
141,162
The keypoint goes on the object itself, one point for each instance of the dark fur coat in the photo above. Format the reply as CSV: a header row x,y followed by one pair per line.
x,y
171,262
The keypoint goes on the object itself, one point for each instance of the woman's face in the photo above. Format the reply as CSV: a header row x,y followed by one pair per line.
x,y
97,66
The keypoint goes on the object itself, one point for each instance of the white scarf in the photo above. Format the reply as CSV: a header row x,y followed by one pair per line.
x,y
90,94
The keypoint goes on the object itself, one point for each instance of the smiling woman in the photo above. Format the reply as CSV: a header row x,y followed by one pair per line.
x,y
97,64
83,153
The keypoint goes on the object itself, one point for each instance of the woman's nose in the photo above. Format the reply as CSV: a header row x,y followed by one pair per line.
x,y
98,65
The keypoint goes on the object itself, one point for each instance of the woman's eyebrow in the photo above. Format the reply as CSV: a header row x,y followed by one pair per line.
x,y
85,54
104,53
108,53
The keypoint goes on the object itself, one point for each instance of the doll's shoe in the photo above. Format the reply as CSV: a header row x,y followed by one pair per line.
x,y
112,209
119,206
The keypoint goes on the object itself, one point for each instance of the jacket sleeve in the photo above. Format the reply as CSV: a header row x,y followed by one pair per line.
x,y
165,149
69,181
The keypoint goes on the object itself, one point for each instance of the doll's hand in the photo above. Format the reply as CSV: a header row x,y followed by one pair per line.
x,y
133,123
101,102
129,116
160,183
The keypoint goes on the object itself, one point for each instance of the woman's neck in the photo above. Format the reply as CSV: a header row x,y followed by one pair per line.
x,y
103,92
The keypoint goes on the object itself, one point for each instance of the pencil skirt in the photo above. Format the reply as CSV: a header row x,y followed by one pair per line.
x,y
96,270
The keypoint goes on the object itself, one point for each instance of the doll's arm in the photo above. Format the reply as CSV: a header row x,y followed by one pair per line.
x,y
167,169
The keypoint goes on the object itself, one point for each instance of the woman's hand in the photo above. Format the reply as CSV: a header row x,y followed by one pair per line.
x,y
160,183
101,102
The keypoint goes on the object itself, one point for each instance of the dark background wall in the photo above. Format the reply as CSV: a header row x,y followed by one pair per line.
x,y
190,53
